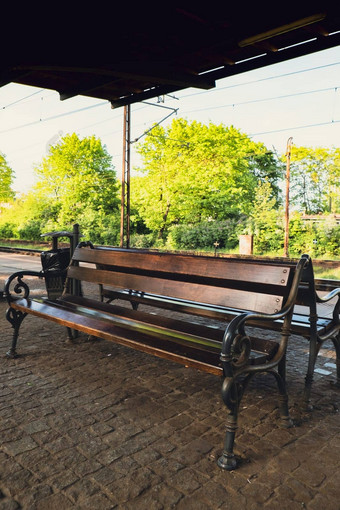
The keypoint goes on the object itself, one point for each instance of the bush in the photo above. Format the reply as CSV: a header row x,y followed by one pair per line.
x,y
204,235
327,239
30,231
8,231
143,241
100,229
268,240
318,239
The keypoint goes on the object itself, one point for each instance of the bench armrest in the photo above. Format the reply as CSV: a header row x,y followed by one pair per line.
x,y
236,340
335,293
331,295
20,287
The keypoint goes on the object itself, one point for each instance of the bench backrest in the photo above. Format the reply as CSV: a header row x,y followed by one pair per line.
x,y
224,282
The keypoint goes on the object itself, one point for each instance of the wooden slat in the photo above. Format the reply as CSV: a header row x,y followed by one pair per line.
x,y
224,297
188,265
300,322
204,361
166,328
214,334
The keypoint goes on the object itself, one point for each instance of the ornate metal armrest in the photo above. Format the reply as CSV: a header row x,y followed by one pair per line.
x,y
20,287
236,340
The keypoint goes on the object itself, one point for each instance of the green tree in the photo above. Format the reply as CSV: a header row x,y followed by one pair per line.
x,y
6,180
315,179
194,172
78,178
266,220
26,217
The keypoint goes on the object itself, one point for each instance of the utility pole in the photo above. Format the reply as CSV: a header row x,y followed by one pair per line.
x,y
288,154
125,196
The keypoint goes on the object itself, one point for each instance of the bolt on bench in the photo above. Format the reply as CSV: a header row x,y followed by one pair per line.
x,y
200,287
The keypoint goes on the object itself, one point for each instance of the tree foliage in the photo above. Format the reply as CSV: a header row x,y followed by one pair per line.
x,y
194,173
266,220
198,185
76,184
315,179
6,180
78,175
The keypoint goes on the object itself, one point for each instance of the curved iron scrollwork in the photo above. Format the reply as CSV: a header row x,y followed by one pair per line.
x,y
15,318
20,287
85,244
20,290
240,350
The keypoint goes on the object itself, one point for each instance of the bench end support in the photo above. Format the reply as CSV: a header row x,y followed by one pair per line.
x,y
227,461
12,353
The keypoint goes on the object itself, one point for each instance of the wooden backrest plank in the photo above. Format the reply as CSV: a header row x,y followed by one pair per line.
x,y
201,293
187,265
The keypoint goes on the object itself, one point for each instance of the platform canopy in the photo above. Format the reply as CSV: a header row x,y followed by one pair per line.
x,y
127,54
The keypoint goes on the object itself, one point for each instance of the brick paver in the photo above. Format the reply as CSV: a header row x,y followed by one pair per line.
x,y
93,425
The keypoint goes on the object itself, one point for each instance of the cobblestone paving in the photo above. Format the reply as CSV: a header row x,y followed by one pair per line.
x,y
93,425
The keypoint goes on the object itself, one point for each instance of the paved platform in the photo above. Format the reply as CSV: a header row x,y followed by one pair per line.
x,y
93,425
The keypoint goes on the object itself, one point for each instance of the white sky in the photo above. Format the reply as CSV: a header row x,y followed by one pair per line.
x,y
298,98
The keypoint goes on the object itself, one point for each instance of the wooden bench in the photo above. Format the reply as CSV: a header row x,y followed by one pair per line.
x,y
308,321
205,288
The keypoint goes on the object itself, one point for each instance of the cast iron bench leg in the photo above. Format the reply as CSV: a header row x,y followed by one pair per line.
x,y
15,317
227,460
336,342
314,347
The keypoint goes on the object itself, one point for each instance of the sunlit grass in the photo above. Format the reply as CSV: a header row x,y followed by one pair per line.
x,y
327,274
27,246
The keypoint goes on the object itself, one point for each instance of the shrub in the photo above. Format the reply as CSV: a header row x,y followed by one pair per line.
x,y
30,231
8,231
143,241
204,235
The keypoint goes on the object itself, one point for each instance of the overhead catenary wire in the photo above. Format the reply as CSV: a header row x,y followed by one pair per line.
x,y
190,95
21,99
266,78
229,105
53,117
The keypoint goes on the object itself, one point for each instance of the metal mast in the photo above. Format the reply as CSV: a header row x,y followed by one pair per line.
x,y
288,154
125,196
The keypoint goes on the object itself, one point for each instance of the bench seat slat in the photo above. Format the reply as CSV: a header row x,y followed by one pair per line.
x,y
300,321
169,341
184,353
245,300
111,322
213,333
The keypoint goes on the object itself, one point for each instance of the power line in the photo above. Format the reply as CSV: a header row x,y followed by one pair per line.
x,y
267,78
53,117
22,99
296,127
188,95
263,99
